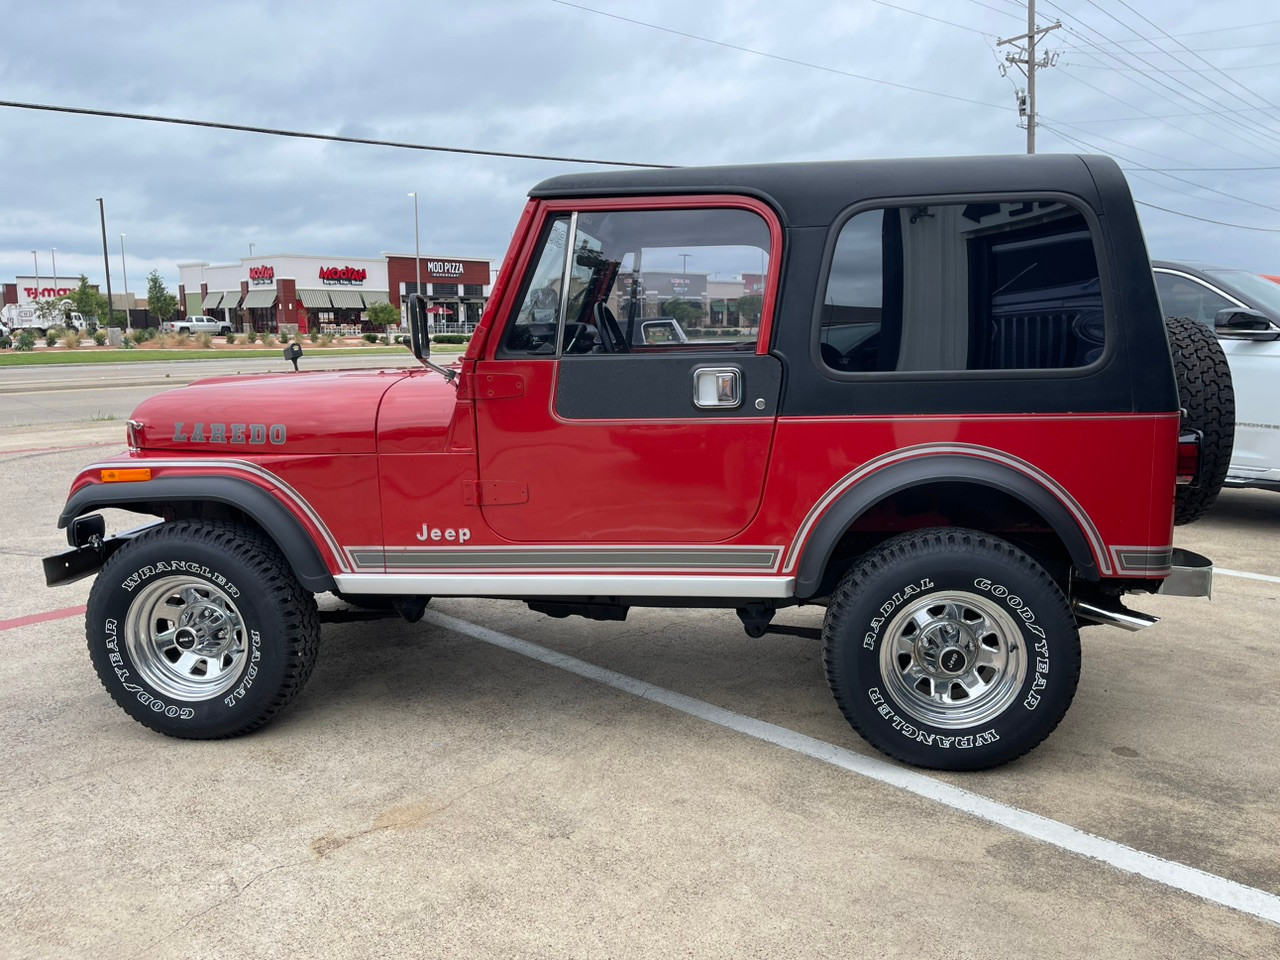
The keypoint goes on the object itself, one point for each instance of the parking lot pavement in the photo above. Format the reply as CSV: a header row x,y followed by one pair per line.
x,y
431,794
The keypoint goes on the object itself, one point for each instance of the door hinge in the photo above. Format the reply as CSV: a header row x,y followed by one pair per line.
x,y
488,493
497,386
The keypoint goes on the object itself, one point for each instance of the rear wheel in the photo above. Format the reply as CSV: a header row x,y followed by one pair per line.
x,y
200,630
1206,395
950,649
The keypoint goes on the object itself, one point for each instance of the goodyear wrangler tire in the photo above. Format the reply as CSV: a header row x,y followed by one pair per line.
x,y
1206,395
200,630
951,649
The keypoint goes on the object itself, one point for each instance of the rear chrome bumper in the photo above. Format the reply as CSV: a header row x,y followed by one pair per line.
x,y
1191,576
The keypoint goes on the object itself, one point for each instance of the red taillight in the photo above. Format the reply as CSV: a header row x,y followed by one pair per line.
x,y
1188,458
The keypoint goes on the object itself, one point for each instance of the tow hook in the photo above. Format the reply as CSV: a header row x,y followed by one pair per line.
x,y
1118,616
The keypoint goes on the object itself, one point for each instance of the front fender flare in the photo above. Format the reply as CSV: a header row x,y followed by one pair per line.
x,y
269,513
1059,510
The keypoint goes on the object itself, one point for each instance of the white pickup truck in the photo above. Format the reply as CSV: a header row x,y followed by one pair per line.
x,y
196,324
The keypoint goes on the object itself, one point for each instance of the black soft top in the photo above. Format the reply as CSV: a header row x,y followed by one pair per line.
x,y
810,194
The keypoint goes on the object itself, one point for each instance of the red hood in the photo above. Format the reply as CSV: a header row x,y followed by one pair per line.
x,y
293,413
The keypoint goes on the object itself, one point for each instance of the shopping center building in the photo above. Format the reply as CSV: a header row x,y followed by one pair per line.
x,y
288,292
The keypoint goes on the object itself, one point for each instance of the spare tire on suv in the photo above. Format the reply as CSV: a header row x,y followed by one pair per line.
x,y
1209,407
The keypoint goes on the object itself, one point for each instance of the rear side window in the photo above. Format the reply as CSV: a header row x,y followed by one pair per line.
x,y
963,286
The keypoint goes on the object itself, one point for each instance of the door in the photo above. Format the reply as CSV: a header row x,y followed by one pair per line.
x,y
627,397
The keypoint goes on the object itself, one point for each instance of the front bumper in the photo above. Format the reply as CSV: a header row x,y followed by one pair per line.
x,y
1191,576
86,559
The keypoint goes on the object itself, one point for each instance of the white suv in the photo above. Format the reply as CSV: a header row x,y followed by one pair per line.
x,y
197,324
1243,309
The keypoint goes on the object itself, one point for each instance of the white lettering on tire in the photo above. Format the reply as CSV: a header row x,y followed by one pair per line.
x,y
887,608
911,732
1040,678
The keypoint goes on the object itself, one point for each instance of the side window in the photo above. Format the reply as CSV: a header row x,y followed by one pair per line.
x,y
534,327
963,286
1184,297
647,282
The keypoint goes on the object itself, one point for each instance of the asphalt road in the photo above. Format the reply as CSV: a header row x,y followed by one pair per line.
x,y
479,785
71,393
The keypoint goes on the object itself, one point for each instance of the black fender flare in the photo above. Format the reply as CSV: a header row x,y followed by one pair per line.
x,y
944,468
249,498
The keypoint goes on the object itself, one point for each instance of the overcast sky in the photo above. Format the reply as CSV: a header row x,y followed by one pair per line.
x,y
544,77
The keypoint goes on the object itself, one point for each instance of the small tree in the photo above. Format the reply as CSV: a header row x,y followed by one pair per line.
x,y
749,308
161,304
88,302
49,313
383,315
686,312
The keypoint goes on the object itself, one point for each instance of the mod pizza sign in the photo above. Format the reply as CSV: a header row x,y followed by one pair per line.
x,y
343,276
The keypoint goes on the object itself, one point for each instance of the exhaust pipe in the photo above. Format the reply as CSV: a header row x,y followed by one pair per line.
x,y
1125,619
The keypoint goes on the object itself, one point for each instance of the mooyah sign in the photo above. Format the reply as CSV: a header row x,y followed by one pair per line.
x,y
346,276
261,275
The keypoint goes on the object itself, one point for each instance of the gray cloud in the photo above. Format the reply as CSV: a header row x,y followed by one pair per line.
x,y
531,75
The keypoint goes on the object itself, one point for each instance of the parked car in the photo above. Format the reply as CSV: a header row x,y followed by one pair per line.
x,y
993,457
1243,309
197,324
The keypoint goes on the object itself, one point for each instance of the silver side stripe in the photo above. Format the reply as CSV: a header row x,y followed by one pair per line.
x,y
573,585
1142,560
567,558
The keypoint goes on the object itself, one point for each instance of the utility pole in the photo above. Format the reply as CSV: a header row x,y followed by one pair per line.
x,y
1028,64
106,264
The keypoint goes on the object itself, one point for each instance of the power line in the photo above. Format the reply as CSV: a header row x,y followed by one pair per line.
x,y
774,56
926,16
1247,46
1192,216
329,137
1107,66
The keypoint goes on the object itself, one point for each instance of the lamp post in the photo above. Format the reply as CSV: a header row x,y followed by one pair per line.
x,y
36,260
417,251
124,270
53,254
251,249
106,263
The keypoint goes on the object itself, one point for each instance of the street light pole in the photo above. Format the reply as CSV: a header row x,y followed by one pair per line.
x,y
53,253
106,263
125,270
251,249
36,261
417,250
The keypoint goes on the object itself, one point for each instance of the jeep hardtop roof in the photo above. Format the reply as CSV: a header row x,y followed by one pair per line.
x,y
814,193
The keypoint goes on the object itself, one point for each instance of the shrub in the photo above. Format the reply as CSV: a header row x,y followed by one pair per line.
x,y
137,336
150,333
231,338
5,342
205,340
100,337
449,338
26,341
128,344
313,337
326,339
268,340
370,338
251,336
71,339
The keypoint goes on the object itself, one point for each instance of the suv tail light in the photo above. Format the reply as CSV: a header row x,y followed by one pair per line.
x,y
1189,458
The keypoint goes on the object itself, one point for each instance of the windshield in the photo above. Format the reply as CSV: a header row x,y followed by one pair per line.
x,y
1262,292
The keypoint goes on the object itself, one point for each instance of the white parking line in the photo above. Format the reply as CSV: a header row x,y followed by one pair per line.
x,y
1228,893
1246,576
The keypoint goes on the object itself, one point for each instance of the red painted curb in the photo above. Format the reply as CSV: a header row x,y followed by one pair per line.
x,y
41,618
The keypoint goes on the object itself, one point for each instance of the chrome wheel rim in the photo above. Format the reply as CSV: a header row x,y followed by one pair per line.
x,y
186,638
953,660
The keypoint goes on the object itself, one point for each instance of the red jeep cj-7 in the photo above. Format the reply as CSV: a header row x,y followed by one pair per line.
x,y
934,396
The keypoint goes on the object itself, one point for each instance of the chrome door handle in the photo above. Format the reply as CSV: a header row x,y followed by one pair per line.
x,y
717,388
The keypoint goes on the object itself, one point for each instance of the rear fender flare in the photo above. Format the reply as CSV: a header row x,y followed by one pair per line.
x,y
282,526
869,485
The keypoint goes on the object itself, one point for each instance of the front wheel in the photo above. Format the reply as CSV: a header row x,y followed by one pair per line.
x,y
951,649
200,630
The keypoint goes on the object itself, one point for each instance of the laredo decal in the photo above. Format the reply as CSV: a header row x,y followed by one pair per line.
x,y
250,433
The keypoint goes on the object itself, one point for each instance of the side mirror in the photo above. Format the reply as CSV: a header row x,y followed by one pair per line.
x,y
420,339
1241,323
292,353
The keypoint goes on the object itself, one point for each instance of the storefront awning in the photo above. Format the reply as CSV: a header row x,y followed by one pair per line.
x,y
375,296
259,298
346,299
229,300
211,300
315,299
